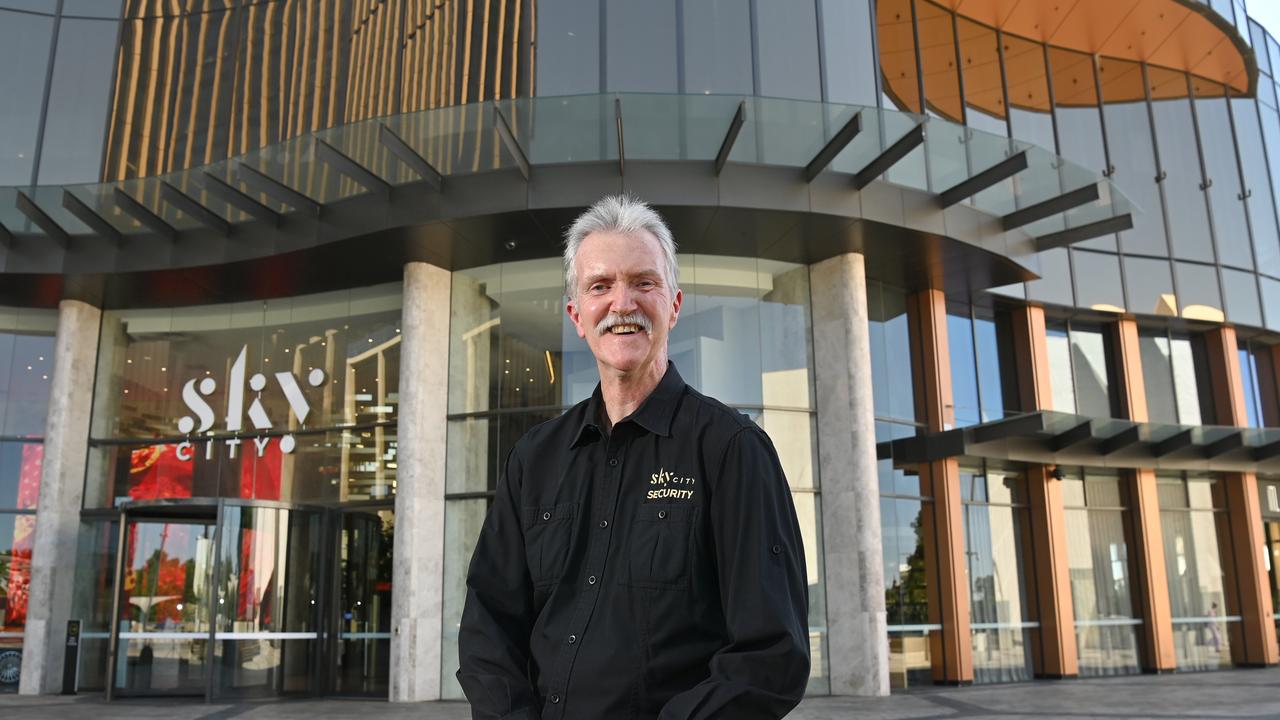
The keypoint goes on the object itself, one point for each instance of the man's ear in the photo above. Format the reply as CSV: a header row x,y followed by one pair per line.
x,y
571,309
676,302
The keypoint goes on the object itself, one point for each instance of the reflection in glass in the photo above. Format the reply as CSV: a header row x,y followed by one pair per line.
x,y
71,150
363,653
1098,284
95,581
1191,520
1150,286
165,604
1173,378
1175,137
1230,230
996,546
890,352
1090,370
1058,345
24,54
268,585
906,591
1098,563
463,519
964,369
1133,155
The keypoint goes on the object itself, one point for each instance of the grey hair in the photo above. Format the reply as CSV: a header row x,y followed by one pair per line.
x,y
624,215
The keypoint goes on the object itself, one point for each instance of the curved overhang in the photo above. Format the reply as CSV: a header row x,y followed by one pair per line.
x,y
1179,35
929,203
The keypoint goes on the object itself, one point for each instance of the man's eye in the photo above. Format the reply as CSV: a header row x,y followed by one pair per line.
x,y
598,287
647,284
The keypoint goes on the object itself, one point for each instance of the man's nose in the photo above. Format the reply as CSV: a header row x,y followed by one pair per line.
x,y
623,299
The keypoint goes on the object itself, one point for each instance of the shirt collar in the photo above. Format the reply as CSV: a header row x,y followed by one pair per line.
x,y
655,414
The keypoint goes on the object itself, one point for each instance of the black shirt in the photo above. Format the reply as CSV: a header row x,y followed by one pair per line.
x,y
656,570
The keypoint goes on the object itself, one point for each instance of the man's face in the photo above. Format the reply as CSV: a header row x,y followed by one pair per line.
x,y
620,278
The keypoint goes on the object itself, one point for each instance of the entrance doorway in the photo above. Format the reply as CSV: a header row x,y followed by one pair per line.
x,y
229,599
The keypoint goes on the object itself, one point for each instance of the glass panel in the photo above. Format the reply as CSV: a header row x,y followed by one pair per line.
x,y
1271,302
1090,369
787,50
363,657
809,514
1268,248
568,47
78,102
641,51
850,63
1098,284
906,587
996,379
462,522
235,367
1150,286
910,659
717,48
938,58
24,53
983,84
1098,559
1198,286
1241,291
898,50
1157,375
17,538
1058,345
1133,155
1054,285
20,475
995,552
1079,121
94,585
890,352
964,370
1188,371
165,604
1249,382
1253,162
1029,116
1230,230
1175,136
26,374
269,585
1196,584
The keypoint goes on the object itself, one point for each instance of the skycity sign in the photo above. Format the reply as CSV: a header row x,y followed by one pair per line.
x,y
201,418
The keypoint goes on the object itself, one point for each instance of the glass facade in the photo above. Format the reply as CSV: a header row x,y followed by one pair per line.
x,y
1193,521
1175,375
983,383
515,360
997,548
1080,369
1270,503
26,369
1098,532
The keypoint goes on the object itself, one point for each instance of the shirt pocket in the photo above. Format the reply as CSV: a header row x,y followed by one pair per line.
x,y
548,536
659,551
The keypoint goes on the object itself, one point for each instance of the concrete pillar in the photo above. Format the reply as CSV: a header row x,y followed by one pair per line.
x,y
66,443
416,593
944,518
1246,567
857,636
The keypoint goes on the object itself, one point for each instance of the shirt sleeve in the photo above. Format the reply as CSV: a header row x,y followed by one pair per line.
x,y
762,670
493,638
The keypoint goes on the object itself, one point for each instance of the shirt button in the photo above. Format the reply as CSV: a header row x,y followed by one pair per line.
x,y
662,514
613,462
777,549
555,699
591,580
604,523
546,516
573,639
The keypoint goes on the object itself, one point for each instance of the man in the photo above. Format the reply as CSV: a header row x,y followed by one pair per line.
x,y
642,557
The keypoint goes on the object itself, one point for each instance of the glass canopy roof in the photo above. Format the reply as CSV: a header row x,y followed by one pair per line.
x,y
395,158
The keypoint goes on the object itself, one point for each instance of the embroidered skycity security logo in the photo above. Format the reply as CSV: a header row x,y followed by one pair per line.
x,y
195,391
664,485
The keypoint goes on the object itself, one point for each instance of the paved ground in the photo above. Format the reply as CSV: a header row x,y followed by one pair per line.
x,y
1235,694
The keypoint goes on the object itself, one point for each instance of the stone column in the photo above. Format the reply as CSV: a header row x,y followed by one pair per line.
x,y
1247,570
416,591
857,638
66,444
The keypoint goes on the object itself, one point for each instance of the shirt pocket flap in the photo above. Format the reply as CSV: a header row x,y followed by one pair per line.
x,y
533,515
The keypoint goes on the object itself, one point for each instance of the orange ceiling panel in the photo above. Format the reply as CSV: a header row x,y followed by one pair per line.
x,y
1169,34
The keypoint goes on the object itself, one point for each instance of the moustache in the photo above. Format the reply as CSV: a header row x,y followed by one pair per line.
x,y
633,318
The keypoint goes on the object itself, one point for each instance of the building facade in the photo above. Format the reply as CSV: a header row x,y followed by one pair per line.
x,y
281,287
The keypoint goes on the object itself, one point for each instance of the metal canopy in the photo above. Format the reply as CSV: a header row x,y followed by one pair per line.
x,y
1064,439
349,176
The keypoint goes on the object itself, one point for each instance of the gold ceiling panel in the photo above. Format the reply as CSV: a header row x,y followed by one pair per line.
x,y
1168,34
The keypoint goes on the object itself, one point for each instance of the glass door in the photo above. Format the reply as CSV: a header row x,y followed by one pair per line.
x,y
362,612
161,634
268,603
